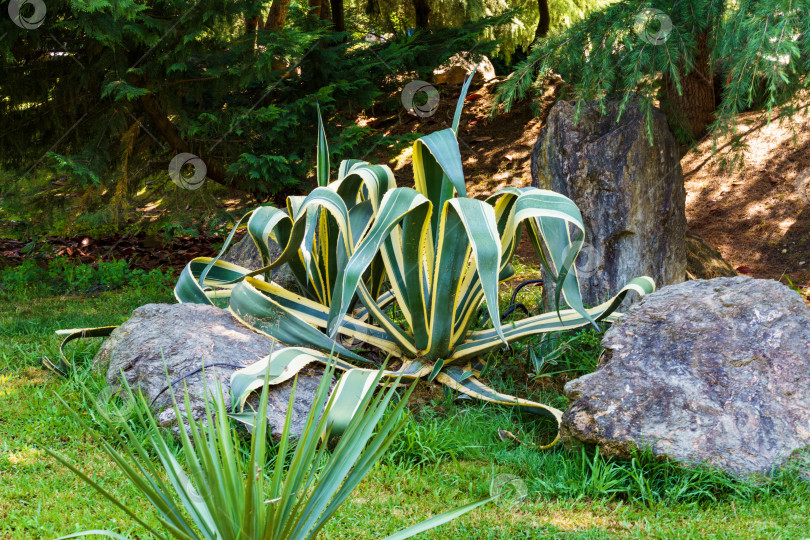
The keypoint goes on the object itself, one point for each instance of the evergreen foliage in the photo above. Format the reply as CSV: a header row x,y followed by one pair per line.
x,y
754,53
517,32
107,92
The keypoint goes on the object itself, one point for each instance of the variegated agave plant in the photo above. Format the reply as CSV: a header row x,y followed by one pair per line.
x,y
359,246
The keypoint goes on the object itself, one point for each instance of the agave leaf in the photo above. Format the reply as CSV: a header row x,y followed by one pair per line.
x,y
481,342
460,104
438,170
396,204
267,316
322,153
317,315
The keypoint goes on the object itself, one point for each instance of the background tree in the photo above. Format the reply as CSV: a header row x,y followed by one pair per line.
x,y
544,20
107,94
755,53
528,18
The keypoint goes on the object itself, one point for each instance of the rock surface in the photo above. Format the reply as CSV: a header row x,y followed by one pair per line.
x,y
703,261
458,67
246,254
186,337
708,371
630,193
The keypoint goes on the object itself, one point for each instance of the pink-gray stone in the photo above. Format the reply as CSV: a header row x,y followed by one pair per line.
x,y
181,338
245,254
707,371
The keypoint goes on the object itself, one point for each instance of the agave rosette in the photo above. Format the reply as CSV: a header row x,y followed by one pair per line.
x,y
360,245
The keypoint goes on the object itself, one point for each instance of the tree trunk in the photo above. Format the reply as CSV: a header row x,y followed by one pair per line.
x,y
275,20
545,20
338,15
326,10
277,15
692,111
165,127
422,9
253,23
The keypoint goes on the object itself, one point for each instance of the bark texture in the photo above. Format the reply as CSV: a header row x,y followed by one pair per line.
x,y
278,14
692,110
630,193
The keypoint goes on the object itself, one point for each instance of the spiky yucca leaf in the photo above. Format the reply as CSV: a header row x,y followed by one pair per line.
x,y
217,494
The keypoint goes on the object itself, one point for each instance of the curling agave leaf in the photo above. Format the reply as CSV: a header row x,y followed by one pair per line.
x,y
477,219
346,165
395,205
442,255
267,316
460,105
264,225
437,169
481,342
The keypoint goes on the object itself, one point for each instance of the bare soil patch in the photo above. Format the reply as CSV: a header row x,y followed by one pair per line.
x,y
757,217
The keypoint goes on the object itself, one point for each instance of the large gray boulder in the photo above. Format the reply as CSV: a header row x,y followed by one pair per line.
x,y
246,254
182,338
631,194
708,371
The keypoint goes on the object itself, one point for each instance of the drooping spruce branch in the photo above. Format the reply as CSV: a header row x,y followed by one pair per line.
x,y
758,52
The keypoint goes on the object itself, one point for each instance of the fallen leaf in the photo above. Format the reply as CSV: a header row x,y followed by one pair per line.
x,y
508,436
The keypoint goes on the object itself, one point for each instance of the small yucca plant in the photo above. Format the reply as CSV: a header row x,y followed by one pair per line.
x,y
219,495
440,253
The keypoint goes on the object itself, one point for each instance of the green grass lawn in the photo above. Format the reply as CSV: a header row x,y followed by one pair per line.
x,y
446,457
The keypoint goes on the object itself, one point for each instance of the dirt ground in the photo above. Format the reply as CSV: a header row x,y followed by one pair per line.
x,y
757,217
